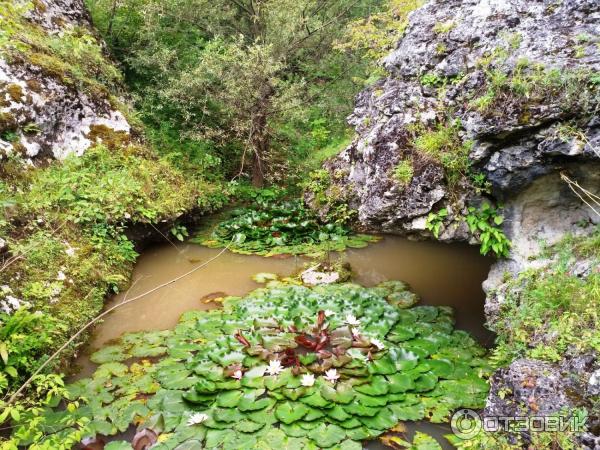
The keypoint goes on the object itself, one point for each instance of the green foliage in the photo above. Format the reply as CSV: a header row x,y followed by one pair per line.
x,y
24,339
435,221
69,249
484,222
550,310
480,183
422,368
403,172
111,187
530,84
444,27
421,441
248,88
180,232
445,145
282,227
329,196
432,79
376,35
45,432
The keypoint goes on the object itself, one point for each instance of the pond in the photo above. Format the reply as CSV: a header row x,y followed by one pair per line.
x,y
441,274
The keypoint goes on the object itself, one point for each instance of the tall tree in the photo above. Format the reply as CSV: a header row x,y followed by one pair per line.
x,y
244,66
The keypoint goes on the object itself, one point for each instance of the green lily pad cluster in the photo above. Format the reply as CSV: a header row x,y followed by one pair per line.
x,y
201,386
284,227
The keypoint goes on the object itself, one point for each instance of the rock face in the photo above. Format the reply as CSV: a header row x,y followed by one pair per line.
x,y
516,83
496,66
45,111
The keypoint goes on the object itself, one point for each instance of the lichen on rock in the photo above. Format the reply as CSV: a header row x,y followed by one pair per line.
x,y
52,96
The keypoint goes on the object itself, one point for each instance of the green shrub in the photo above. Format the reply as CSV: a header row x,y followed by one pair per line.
x,y
403,172
550,310
484,222
445,145
25,337
435,221
110,187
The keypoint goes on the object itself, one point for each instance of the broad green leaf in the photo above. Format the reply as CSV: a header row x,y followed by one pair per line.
x,y
289,412
327,435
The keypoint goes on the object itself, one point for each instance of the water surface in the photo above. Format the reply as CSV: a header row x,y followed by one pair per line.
x,y
441,274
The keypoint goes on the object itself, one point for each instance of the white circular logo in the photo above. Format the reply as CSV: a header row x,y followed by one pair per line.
x,y
466,423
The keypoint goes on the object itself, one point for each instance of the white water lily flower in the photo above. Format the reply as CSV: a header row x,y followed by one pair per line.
x,y
308,380
377,343
197,418
331,375
329,313
237,375
275,367
355,333
352,320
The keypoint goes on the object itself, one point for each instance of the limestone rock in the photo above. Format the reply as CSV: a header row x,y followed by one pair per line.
x,y
43,113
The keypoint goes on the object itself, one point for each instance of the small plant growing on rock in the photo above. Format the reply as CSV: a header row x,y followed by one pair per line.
x,y
444,27
435,221
485,222
403,172
445,145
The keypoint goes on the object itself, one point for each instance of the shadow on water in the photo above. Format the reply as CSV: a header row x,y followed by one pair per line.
x,y
442,274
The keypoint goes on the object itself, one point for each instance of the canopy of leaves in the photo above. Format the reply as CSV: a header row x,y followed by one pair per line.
x,y
217,81
288,227
421,369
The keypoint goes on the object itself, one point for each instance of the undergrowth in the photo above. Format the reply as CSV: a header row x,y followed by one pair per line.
x,y
65,229
551,310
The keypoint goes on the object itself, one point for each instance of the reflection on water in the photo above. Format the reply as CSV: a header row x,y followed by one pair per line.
x,y
441,274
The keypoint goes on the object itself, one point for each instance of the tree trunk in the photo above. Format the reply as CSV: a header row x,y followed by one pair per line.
x,y
259,139
258,176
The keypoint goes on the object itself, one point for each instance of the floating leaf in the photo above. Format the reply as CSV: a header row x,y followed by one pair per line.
x,y
378,386
110,353
327,435
289,412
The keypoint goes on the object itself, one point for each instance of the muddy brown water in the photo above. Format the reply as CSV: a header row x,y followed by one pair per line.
x,y
441,274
